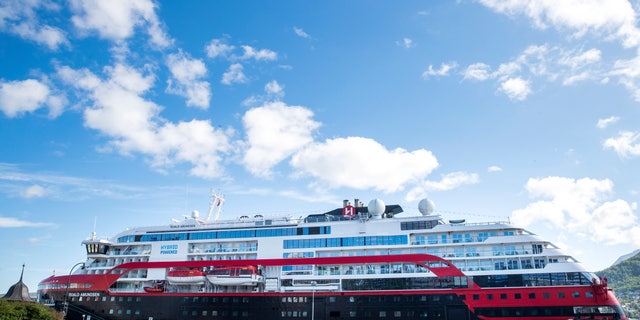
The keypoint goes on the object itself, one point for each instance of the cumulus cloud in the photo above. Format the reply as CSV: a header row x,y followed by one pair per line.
x,y
23,18
275,131
234,75
262,54
187,73
19,97
516,88
603,123
34,191
117,20
362,163
612,18
494,169
444,70
626,144
581,206
218,48
133,124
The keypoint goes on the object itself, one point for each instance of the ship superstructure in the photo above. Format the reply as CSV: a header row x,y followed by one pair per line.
x,y
354,262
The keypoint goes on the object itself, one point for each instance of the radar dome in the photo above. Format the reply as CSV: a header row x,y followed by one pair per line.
x,y
426,207
376,208
195,214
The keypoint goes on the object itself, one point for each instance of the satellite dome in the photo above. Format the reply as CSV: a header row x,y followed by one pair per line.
x,y
195,214
426,207
376,208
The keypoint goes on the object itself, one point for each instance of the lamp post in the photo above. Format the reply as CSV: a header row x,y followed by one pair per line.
x,y
313,299
66,293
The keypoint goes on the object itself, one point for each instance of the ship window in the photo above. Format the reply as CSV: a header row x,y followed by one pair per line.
x,y
476,297
546,295
489,296
560,294
397,314
503,296
532,295
517,296
128,311
382,314
575,294
110,311
588,294
463,297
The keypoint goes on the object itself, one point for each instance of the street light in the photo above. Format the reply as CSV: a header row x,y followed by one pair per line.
x,y
313,299
66,294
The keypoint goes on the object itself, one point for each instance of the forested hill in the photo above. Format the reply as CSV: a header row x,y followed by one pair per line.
x,y
624,276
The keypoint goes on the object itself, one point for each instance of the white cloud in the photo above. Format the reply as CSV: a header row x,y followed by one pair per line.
x,y
262,54
234,75
449,181
516,88
406,43
301,33
117,19
218,48
613,18
7,222
626,145
19,97
540,62
362,163
603,123
187,72
629,73
478,71
275,131
443,71
22,18
119,110
580,206
274,89
34,191
494,169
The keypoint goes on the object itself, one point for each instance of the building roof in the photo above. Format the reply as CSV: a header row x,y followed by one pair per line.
x,y
18,291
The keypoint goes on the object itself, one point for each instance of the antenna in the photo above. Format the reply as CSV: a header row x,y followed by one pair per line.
x,y
95,222
216,203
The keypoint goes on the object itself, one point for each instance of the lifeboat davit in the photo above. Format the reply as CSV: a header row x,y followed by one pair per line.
x,y
186,277
235,276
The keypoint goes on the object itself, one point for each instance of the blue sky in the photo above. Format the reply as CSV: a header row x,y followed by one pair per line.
x,y
116,114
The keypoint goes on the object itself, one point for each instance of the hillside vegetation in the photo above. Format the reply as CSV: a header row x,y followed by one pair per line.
x,y
624,277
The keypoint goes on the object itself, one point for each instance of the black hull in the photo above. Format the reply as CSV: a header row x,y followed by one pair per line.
x,y
271,307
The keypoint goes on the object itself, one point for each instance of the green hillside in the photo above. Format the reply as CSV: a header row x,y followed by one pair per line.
x,y
624,277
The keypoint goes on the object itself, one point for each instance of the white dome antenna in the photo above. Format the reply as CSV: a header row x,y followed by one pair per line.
x,y
426,207
376,208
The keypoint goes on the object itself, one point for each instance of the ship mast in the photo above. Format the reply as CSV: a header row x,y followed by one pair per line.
x,y
216,203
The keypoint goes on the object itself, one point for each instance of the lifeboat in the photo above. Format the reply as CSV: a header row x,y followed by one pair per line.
x,y
186,277
235,276
156,289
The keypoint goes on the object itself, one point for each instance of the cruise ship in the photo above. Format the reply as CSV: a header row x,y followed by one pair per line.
x,y
353,262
